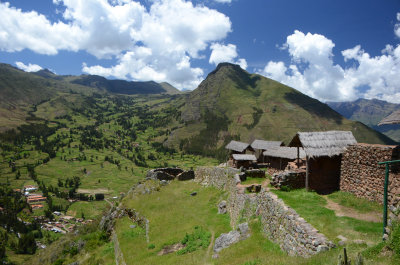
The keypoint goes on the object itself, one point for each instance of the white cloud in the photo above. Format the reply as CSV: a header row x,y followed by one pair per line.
x,y
225,53
29,67
314,73
397,26
158,43
223,1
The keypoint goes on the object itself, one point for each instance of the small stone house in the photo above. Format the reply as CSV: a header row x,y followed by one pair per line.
x,y
243,160
323,157
259,146
279,157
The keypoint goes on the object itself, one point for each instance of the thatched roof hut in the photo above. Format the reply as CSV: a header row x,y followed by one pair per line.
x,y
285,152
243,160
393,118
245,157
265,145
323,157
329,143
237,146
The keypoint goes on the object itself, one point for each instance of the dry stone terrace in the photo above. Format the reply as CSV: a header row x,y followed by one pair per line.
x,y
279,222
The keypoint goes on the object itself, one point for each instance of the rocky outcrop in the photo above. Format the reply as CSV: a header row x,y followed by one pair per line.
x,y
225,240
290,179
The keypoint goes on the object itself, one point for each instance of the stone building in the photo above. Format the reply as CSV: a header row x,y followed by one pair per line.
x,y
279,157
259,146
323,157
362,176
243,160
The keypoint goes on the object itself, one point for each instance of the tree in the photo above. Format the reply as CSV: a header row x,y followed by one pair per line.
x,y
27,244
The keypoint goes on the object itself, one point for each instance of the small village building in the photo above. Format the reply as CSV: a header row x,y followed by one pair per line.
x,y
259,146
243,160
279,157
323,157
236,147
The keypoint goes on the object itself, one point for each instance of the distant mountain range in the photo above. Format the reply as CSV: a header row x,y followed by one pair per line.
x,y
229,104
369,112
20,90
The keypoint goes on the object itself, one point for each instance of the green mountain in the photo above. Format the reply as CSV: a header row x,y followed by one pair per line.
x,y
21,92
370,112
233,104
122,86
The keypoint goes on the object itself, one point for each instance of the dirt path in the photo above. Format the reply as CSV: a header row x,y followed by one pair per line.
x,y
209,247
350,212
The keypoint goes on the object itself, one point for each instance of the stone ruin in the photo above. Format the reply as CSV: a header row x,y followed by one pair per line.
x,y
289,179
170,174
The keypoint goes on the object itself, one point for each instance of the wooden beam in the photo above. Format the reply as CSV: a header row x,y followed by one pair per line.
x,y
307,173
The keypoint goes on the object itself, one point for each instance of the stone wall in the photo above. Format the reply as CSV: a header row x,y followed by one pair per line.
x,y
215,176
285,227
280,223
289,179
362,176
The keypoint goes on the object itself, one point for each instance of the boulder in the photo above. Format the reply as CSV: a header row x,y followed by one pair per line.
x,y
225,240
160,175
222,207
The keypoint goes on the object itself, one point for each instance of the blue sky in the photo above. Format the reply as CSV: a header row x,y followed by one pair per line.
x,y
330,50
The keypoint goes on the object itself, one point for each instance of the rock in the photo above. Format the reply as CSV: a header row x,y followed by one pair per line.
x,y
163,182
132,226
341,238
222,207
244,231
186,175
359,241
225,240
385,237
322,248
193,194
215,256
342,243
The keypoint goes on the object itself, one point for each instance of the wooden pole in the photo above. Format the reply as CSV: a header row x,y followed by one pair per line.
x,y
307,173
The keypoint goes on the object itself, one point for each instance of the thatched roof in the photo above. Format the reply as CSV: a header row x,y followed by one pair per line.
x,y
393,118
265,145
236,146
328,143
285,152
241,157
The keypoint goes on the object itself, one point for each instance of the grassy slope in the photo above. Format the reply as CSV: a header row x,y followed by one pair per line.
x,y
258,107
311,207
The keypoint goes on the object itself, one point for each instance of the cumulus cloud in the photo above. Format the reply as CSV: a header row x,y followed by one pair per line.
x,y
397,26
28,68
225,53
150,44
314,73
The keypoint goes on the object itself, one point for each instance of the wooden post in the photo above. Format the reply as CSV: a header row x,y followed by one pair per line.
x,y
307,173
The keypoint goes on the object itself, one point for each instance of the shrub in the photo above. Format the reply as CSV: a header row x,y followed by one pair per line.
x,y
199,238
151,246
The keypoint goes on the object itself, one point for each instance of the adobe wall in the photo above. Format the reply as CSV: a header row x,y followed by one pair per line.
x,y
279,222
362,176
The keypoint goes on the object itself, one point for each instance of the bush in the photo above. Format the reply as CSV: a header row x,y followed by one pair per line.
x,y
99,196
199,238
151,246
